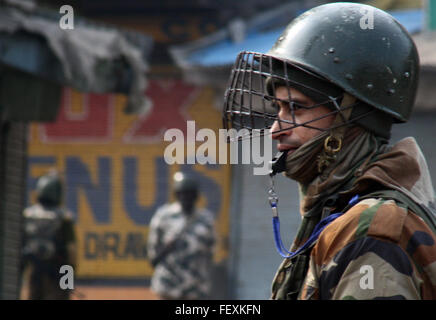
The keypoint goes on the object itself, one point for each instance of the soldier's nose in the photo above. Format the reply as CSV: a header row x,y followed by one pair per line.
x,y
278,129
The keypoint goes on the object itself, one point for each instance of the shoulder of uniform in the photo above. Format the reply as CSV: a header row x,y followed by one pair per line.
x,y
207,214
28,211
36,211
378,218
374,217
167,210
172,208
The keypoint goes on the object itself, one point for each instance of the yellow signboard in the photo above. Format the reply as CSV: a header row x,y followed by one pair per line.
x,y
115,173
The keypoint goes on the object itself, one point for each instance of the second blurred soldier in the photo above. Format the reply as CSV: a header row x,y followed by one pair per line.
x,y
49,241
180,245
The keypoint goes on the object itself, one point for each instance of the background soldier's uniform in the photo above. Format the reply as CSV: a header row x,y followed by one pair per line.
x,y
49,242
181,248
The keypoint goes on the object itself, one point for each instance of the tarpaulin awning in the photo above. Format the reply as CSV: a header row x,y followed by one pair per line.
x,y
89,58
216,53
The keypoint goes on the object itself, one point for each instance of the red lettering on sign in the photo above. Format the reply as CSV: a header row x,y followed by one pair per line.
x,y
93,123
169,98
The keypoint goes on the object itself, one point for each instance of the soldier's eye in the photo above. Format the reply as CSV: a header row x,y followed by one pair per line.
x,y
297,106
300,106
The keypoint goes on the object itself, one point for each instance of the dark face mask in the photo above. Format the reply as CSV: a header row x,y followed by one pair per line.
x,y
187,200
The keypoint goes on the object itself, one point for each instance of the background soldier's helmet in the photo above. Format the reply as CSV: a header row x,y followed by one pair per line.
x,y
49,189
184,182
327,50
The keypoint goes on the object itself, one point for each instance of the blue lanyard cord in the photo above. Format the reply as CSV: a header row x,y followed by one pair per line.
x,y
313,237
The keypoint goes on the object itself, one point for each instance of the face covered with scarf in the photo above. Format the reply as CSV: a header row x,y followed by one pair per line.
x,y
306,144
293,138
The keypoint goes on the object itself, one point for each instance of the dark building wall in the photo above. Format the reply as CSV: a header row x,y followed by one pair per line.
x,y
13,156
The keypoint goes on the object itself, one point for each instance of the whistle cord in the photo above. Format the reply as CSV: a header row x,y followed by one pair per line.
x,y
315,233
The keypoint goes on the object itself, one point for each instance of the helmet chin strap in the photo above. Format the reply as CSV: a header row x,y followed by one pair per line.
x,y
333,143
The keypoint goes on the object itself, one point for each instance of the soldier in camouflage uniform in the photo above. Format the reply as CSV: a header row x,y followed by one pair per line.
x,y
180,245
49,241
328,92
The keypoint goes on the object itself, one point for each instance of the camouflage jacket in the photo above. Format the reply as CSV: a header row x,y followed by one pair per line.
x,y
49,242
184,271
378,249
49,237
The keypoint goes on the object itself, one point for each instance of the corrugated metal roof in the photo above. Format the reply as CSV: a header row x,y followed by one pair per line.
x,y
224,52
221,50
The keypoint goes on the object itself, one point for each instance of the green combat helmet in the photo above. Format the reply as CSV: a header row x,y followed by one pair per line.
x,y
49,190
184,182
328,51
186,190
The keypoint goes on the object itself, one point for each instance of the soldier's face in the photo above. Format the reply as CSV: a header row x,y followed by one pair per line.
x,y
187,200
293,138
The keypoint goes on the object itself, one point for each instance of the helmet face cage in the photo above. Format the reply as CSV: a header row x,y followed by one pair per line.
x,y
251,103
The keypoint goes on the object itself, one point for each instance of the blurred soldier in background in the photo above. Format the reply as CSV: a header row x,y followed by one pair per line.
x,y
180,245
49,241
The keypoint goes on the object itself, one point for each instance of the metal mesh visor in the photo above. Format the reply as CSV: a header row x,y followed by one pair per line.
x,y
251,103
